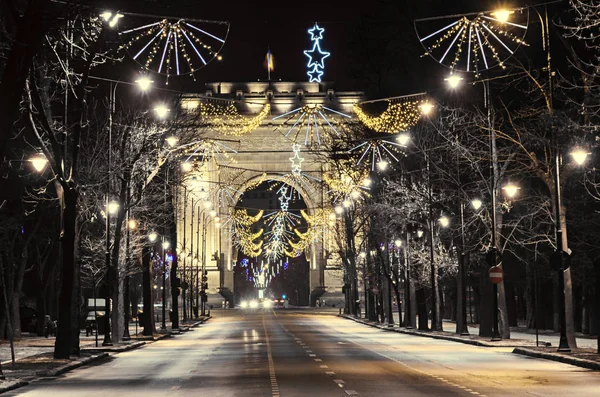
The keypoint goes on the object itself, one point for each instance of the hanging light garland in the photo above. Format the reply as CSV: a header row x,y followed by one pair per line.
x,y
239,228
314,123
318,225
226,119
398,116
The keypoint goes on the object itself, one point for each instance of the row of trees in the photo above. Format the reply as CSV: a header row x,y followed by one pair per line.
x,y
460,152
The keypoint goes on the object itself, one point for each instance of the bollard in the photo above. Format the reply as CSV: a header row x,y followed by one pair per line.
x,y
340,311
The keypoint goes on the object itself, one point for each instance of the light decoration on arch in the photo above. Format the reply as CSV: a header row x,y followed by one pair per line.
x,y
316,56
474,42
239,228
224,118
397,117
172,46
347,184
315,123
281,223
377,152
318,225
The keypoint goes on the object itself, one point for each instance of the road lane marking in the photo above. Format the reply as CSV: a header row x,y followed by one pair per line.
x,y
412,368
352,392
272,374
330,373
323,366
318,360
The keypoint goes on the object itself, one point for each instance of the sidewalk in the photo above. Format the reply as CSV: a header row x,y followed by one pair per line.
x,y
524,343
34,354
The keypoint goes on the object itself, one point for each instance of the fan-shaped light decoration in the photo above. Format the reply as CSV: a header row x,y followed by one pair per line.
x,y
474,42
398,117
314,123
224,118
212,150
378,152
172,46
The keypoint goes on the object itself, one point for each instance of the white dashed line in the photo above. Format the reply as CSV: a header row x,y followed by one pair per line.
x,y
352,392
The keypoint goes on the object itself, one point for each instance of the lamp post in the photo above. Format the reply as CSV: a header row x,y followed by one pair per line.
x,y
213,215
165,246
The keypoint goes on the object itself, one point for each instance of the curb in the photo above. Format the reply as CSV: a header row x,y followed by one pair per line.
x,y
426,334
76,364
579,362
14,385
118,349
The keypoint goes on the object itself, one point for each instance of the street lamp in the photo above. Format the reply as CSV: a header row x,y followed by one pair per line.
x,y
511,190
165,246
172,141
161,111
579,155
39,162
382,165
187,166
144,83
476,204
403,139
453,81
152,236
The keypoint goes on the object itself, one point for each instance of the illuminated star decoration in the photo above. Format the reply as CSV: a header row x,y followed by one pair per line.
x,y
314,122
316,56
377,152
296,160
474,43
173,47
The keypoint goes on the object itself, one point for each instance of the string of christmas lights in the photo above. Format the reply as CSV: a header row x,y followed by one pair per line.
x,y
398,116
226,119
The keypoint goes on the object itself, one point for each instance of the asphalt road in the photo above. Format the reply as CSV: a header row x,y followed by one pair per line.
x,y
305,353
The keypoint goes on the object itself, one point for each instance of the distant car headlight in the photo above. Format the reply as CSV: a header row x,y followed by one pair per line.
x,y
267,304
244,305
253,304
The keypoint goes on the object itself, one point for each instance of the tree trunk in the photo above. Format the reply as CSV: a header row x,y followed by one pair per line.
x,y
422,309
148,317
485,304
173,271
62,346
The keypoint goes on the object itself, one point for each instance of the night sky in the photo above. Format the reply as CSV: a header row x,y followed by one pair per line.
x,y
282,27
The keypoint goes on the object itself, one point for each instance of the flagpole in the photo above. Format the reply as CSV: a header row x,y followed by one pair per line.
x,y
269,64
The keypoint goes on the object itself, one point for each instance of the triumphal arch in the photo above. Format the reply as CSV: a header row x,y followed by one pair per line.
x,y
259,131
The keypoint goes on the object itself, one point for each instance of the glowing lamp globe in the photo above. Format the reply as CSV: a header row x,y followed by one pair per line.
x,y
152,237
502,15
511,190
132,224
39,162
339,209
144,83
165,245
426,108
398,243
444,221
476,203
382,165
161,111
187,166
212,213
453,81
367,182
403,139
579,156
172,140
113,207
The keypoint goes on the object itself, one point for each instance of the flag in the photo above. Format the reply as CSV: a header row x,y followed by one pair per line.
x,y
269,61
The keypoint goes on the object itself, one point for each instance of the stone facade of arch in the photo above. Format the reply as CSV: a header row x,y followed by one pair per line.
x,y
260,155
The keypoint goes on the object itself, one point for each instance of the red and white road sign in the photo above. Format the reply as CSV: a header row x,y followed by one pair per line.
x,y
496,274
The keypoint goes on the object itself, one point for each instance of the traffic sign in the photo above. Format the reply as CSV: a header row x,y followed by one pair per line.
x,y
496,274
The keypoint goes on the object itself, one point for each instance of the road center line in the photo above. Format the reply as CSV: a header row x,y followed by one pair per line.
x,y
273,376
